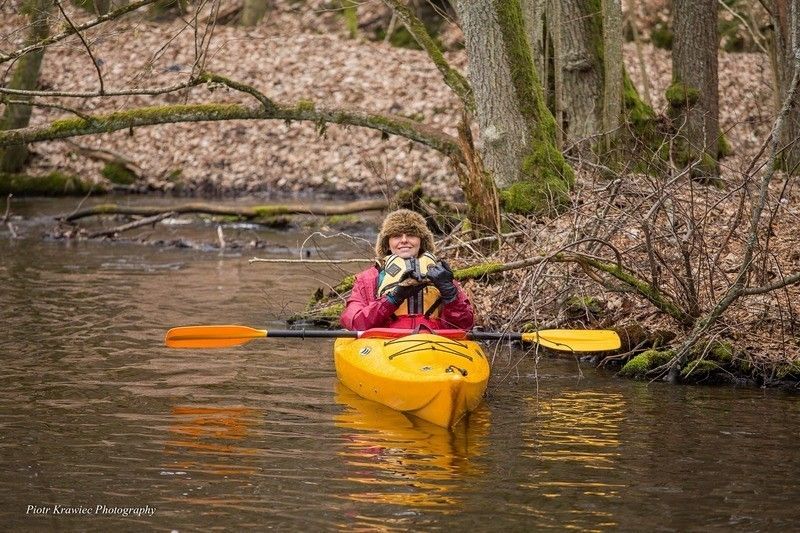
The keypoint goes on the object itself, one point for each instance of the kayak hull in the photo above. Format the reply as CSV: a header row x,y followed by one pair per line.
x,y
429,376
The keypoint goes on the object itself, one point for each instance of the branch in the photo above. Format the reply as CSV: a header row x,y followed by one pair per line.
x,y
302,110
417,29
260,211
132,225
85,45
268,104
74,29
129,92
739,288
312,261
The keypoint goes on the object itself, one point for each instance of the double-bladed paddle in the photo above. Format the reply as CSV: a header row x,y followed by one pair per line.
x,y
565,340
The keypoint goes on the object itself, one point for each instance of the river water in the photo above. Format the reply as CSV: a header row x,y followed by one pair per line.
x,y
99,418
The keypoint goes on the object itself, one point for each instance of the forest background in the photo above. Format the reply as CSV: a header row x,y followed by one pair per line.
x,y
593,164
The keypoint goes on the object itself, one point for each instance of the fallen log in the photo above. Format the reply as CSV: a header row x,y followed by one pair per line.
x,y
248,213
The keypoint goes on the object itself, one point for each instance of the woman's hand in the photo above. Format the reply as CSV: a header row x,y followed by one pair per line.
x,y
442,278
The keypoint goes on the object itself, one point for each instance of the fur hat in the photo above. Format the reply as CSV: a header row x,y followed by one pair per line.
x,y
400,222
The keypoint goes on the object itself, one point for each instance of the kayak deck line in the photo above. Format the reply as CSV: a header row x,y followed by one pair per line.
x,y
421,345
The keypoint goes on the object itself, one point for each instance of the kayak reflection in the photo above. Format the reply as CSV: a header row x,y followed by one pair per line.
x,y
209,439
404,460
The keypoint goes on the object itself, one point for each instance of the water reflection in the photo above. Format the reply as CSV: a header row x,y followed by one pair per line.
x,y
575,438
209,439
404,461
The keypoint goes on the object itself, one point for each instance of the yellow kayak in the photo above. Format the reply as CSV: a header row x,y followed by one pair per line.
x,y
436,378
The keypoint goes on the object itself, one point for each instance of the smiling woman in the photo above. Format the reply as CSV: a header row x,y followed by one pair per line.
x,y
408,287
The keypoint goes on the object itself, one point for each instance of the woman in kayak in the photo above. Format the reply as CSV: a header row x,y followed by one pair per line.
x,y
408,287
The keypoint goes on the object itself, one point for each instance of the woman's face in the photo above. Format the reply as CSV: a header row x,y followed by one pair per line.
x,y
405,246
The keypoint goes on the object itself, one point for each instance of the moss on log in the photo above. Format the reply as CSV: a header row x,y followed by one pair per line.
x,y
53,184
247,213
167,114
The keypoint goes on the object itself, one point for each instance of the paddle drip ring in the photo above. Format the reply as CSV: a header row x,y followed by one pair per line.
x,y
453,368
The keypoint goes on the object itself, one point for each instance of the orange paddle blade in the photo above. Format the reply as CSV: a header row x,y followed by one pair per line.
x,y
211,336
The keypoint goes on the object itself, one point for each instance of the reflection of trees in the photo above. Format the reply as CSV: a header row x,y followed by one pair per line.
x,y
400,460
575,439
208,439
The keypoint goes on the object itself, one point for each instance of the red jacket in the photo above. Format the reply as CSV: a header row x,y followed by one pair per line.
x,y
364,310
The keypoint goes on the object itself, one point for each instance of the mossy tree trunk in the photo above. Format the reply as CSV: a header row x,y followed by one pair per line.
x,y
102,7
253,11
693,95
785,15
517,131
17,113
578,46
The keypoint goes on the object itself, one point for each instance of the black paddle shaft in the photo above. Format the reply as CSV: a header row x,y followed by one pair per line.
x,y
493,336
312,333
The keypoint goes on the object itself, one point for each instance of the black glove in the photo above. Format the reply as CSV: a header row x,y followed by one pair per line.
x,y
399,293
442,278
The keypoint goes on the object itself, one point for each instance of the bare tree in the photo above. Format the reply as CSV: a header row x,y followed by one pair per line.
x,y
784,41
253,11
17,113
693,95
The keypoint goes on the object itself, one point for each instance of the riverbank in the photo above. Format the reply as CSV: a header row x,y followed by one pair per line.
x,y
681,243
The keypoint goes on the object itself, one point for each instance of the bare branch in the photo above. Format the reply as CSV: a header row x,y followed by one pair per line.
x,y
74,29
128,92
85,44
417,29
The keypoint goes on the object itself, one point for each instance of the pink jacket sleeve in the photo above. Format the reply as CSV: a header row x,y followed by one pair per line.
x,y
363,309
458,314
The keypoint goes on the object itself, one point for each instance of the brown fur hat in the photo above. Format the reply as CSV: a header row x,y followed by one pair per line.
x,y
404,221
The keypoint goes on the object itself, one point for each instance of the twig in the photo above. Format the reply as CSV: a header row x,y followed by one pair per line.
x,y
129,92
738,288
417,29
311,261
220,237
8,208
132,225
73,29
85,44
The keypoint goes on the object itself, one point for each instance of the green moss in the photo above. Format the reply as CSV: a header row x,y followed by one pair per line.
x,y
790,370
350,15
528,197
345,285
724,148
477,271
583,305
118,173
639,113
53,184
699,368
662,36
639,366
269,211
342,220
306,105
681,95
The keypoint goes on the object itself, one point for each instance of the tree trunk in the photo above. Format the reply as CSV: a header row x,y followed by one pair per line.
x,y
693,95
785,15
102,7
26,74
585,39
517,131
613,70
253,11
582,90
